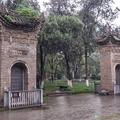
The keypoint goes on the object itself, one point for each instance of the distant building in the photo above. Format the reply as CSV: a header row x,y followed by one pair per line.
x,y
18,40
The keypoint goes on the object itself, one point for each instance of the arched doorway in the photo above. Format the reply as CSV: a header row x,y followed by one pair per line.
x,y
19,77
117,79
117,74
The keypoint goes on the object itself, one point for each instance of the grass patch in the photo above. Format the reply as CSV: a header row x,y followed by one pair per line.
x,y
53,86
45,96
78,88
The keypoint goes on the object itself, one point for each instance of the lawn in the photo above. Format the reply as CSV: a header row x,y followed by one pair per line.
x,y
53,86
78,87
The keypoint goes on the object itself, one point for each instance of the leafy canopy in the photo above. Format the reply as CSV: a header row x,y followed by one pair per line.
x,y
60,7
61,33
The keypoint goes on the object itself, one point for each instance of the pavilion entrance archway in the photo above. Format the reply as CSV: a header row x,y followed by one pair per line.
x,y
19,77
117,79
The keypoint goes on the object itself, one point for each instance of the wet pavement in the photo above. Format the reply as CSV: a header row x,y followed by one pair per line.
x,y
73,107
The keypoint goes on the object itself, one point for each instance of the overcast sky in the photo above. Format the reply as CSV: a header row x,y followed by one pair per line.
x,y
117,3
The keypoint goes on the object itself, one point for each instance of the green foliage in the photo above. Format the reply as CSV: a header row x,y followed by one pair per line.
x,y
52,62
27,8
29,13
9,18
62,32
22,4
94,63
15,4
60,7
18,4
45,96
70,27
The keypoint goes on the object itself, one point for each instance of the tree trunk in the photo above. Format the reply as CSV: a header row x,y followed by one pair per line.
x,y
69,77
52,78
42,68
79,74
86,66
55,74
42,84
52,67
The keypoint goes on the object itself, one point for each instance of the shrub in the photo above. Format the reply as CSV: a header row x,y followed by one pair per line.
x,y
29,13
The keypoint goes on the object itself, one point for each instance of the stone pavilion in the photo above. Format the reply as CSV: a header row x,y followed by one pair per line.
x,y
109,49
18,40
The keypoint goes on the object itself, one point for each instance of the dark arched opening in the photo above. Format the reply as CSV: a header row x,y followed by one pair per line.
x,y
117,74
117,80
19,77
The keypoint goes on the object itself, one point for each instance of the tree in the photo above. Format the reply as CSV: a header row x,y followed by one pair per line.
x,y
41,55
60,7
94,64
18,4
35,4
63,32
46,44
52,63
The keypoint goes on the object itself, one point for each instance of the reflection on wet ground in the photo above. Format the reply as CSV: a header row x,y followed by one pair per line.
x,y
73,107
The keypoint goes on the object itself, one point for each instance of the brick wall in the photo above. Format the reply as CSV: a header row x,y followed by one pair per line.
x,y
17,46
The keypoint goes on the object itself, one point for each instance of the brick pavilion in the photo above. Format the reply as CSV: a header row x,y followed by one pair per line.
x,y
18,40
109,49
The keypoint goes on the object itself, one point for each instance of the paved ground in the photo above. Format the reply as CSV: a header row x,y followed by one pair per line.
x,y
73,107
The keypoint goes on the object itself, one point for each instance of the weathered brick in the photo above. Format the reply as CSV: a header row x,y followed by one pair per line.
x,y
17,46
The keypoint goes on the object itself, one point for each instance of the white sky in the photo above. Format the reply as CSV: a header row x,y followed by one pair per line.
x,y
41,3
117,21
117,3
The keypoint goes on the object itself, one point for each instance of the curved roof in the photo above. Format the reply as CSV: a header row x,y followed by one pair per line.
x,y
18,21
111,38
107,36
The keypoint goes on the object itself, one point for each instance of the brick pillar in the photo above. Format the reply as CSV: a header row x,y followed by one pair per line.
x,y
106,67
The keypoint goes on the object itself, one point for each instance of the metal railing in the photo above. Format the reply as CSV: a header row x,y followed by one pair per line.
x,y
19,99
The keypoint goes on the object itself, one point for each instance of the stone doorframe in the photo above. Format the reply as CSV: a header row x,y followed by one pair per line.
x,y
25,68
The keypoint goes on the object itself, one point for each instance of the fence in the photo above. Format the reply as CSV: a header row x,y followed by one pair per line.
x,y
19,99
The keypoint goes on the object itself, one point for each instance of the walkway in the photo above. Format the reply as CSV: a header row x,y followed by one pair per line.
x,y
73,107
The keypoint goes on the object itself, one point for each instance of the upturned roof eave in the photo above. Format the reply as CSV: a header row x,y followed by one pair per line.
x,y
20,22
111,38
